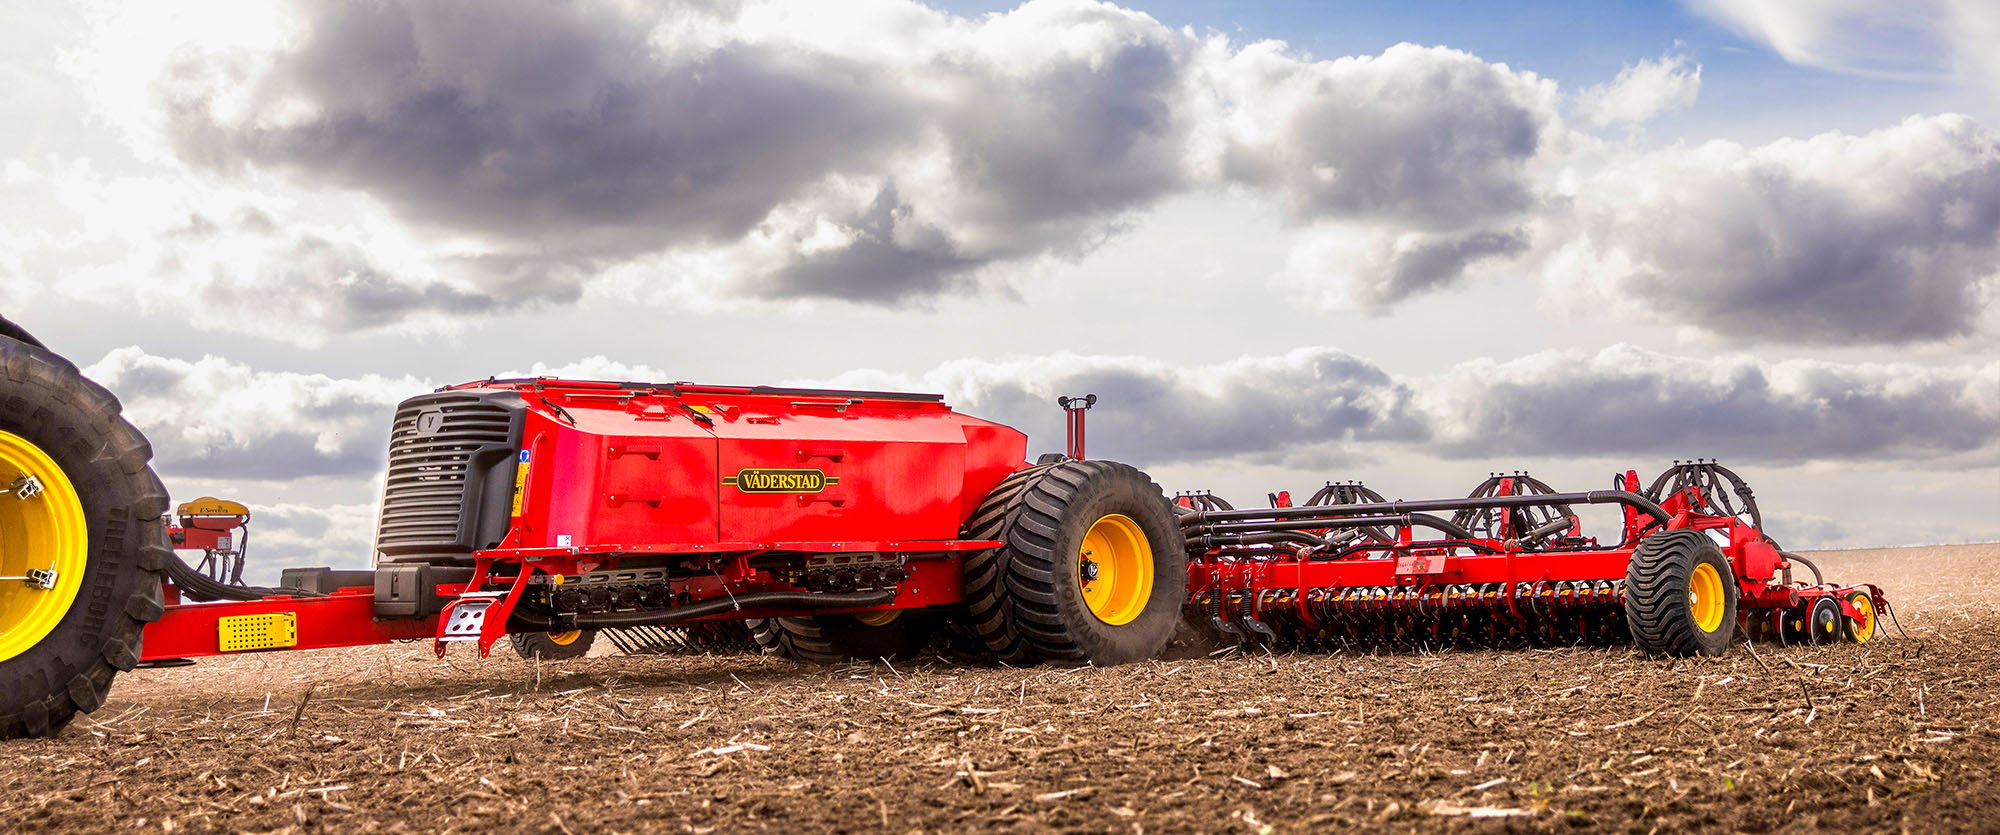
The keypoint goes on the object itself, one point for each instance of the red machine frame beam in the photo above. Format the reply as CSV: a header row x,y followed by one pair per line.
x,y
345,618
1485,568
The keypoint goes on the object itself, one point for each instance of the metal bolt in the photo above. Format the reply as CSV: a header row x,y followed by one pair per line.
x,y
27,487
40,578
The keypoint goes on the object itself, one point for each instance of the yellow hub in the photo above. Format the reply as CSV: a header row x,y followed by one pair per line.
x,y
1706,599
1114,567
878,618
563,639
43,536
1863,631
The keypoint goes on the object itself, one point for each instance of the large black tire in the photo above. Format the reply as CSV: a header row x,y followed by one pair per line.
x,y
834,639
1026,600
46,403
553,646
1661,600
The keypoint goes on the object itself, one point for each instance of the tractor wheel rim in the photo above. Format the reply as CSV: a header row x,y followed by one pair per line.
x,y
563,639
1865,630
1706,600
1123,564
46,532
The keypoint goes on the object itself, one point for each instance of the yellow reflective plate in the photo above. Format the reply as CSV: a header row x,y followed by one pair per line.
x,y
276,630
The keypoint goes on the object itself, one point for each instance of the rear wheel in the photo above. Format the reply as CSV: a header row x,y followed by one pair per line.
x,y
1680,595
1092,566
831,639
1823,619
1863,627
82,541
553,646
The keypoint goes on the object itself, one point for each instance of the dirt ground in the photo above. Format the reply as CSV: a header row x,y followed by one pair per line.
x,y
1899,734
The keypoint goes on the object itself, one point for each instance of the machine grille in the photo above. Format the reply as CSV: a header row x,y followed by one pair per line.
x,y
449,453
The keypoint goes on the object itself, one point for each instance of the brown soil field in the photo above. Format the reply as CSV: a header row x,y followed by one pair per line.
x,y
1902,733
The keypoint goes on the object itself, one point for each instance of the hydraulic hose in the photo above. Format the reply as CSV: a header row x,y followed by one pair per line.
x,y
1218,529
199,587
1554,526
1322,512
1818,578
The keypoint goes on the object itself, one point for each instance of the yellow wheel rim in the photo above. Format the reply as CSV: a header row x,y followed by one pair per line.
x,y
1864,631
563,639
878,618
1115,569
42,533
1706,600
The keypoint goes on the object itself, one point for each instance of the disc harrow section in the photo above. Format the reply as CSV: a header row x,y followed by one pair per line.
x,y
1509,566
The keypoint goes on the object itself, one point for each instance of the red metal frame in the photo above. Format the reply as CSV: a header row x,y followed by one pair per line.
x,y
347,617
1251,584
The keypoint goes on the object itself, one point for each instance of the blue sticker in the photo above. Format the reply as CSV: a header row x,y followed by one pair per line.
x,y
524,456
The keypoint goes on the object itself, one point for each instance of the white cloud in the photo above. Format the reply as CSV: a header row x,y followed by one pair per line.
x,y
1308,404
227,257
1629,401
221,419
1889,237
769,148
1313,403
291,535
617,131
1371,269
1431,138
385,167
1913,39
1640,93
598,367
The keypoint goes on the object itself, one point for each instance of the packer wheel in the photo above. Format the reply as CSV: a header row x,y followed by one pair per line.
x,y
1824,620
81,520
553,646
1794,624
831,639
1092,566
1865,628
1680,595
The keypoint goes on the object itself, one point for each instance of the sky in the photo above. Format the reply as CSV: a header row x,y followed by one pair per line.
x,y
1284,242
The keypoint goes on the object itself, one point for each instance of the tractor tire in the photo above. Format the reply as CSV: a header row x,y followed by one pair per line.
x,y
1671,590
834,639
98,523
553,646
1092,567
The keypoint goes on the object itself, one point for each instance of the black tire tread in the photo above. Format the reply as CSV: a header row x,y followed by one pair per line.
x,y
40,700
532,645
798,638
1014,602
1656,583
988,599
838,639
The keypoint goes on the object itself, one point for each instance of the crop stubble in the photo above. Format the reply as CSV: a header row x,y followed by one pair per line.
x,y
1903,733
